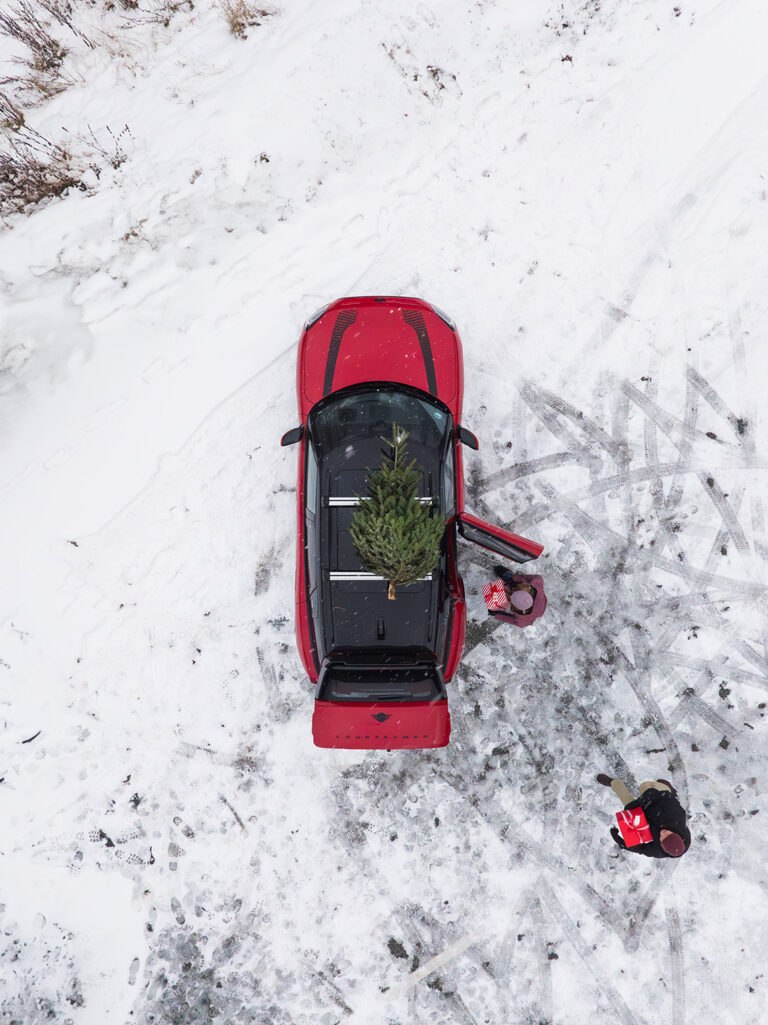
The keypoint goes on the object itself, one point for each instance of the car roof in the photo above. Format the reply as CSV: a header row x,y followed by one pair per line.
x,y
354,608
380,338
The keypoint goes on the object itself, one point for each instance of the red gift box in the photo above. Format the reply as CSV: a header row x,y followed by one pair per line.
x,y
634,826
495,596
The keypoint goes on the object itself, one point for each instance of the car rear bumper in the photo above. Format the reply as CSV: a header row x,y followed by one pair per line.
x,y
381,726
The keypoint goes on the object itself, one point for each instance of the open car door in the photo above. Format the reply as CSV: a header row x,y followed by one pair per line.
x,y
495,539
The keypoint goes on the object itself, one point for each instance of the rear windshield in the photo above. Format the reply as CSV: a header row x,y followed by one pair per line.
x,y
411,683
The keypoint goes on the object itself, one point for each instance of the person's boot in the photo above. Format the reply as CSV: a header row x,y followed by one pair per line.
x,y
606,780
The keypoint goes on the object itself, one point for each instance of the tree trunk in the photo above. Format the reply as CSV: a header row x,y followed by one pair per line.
x,y
391,591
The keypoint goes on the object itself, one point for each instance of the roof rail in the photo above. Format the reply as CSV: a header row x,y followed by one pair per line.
x,y
341,575
356,500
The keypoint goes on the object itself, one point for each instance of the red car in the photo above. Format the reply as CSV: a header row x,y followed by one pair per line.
x,y
380,665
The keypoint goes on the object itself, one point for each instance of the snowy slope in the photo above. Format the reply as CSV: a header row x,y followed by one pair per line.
x,y
582,186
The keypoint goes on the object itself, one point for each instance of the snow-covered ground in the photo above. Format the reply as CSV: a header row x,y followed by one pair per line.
x,y
583,187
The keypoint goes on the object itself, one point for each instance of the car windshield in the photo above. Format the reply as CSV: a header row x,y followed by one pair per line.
x,y
363,415
386,683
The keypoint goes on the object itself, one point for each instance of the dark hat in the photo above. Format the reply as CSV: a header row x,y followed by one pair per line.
x,y
673,845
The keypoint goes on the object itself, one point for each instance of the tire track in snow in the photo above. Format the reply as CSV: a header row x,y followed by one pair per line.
x,y
475,489
720,544
546,1003
639,475
530,394
681,433
730,521
668,659
592,530
696,385
686,430
742,427
357,841
541,402
656,489
559,914
465,767
675,936
748,652
281,705
691,702
520,841
667,505
509,474
506,953
408,918
445,956
621,432
609,322
738,424
652,710
651,448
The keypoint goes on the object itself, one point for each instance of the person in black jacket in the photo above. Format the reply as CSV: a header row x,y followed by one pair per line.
x,y
663,812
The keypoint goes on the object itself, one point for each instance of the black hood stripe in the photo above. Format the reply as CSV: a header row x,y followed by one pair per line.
x,y
414,319
343,321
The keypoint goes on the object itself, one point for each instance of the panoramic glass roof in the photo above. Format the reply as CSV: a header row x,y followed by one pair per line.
x,y
362,414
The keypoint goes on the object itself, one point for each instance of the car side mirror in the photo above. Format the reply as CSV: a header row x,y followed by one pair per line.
x,y
292,436
467,438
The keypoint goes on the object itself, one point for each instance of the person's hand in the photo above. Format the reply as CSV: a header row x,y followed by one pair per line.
x,y
617,837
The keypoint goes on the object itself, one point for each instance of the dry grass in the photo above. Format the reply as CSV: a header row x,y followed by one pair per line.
x,y
42,75
33,169
240,15
12,119
161,11
21,23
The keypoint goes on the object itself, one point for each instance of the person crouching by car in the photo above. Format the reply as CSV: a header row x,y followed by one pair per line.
x,y
524,599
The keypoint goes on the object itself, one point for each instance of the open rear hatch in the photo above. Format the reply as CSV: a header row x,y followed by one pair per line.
x,y
384,704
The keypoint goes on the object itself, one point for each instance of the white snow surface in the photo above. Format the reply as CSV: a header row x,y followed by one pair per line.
x,y
582,186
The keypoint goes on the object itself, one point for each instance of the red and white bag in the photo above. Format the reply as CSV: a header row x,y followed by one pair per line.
x,y
495,596
634,826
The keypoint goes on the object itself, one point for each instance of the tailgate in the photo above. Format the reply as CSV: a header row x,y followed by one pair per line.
x,y
381,725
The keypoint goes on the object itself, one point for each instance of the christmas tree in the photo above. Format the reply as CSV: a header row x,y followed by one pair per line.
x,y
396,535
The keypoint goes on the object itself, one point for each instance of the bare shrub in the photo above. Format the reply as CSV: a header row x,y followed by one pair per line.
x,y
61,10
241,15
32,169
11,118
43,64
47,53
164,10
111,151
115,153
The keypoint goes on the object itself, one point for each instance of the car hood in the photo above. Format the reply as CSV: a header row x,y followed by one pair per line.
x,y
381,725
370,339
